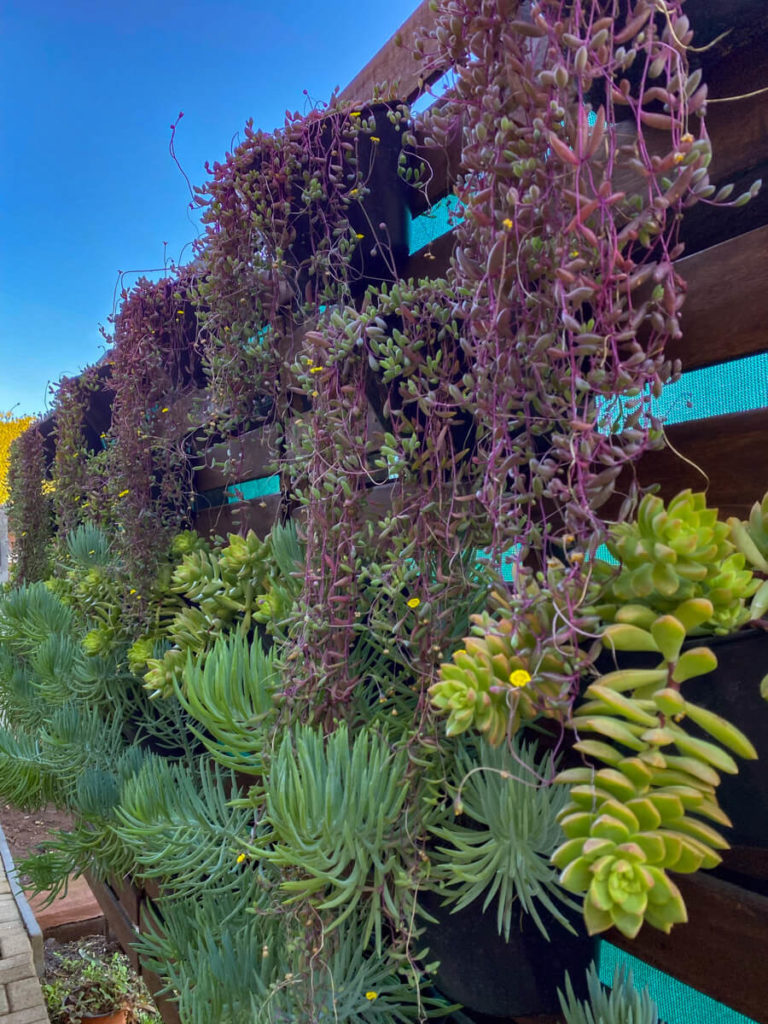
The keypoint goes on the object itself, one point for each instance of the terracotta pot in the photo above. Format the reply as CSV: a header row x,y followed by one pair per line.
x,y
113,1017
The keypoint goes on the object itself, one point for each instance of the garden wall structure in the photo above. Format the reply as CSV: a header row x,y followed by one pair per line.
x,y
717,418
718,428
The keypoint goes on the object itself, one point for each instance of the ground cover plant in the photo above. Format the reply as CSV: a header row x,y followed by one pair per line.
x,y
296,736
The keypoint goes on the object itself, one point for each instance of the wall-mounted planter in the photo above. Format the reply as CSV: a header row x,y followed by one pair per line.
x,y
503,979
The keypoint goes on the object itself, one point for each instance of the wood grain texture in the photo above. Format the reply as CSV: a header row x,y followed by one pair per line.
x,y
728,449
120,924
394,63
258,515
726,308
249,455
720,951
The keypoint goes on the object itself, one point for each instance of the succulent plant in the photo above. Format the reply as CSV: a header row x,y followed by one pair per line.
x,y
629,822
511,670
671,553
751,538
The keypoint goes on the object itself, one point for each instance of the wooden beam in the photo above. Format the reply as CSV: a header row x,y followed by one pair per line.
x,y
250,456
722,455
241,516
720,951
395,63
726,309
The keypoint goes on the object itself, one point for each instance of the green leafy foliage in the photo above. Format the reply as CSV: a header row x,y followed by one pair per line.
x,y
630,822
623,1004
333,808
502,854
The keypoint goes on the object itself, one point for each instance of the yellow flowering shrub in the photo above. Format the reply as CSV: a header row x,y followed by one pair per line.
x,y
10,428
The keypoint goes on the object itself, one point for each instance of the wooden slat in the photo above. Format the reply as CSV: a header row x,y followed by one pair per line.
x,y
258,515
729,449
720,951
394,63
250,455
433,260
169,1010
726,309
121,926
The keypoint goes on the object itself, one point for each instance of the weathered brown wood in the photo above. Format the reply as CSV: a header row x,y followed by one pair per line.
x,y
738,128
719,951
728,449
258,515
441,166
122,927
394,63
726,308
433,260
249,455
169,1010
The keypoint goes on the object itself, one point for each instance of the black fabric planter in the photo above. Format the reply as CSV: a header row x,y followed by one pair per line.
x,y
733,692
503,979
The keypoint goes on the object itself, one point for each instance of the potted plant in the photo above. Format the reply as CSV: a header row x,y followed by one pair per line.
x,y
91,990
649,725
498,921
655,726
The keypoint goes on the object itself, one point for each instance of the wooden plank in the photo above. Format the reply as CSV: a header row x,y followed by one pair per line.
x,y
720,951
726,309
120,924
168,1008
250,456
239,517
433,260
728,449
395,64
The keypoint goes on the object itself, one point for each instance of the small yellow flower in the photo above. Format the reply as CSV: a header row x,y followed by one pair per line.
x,y
687,138
370,996
166,409
122,494
519,677
240,858
354,191
507,223
316,369
414,602
359,235
314,394
132,590
375,138
354,113
573,253
679,157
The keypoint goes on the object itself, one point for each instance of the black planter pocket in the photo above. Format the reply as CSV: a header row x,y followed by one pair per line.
x,y
504,979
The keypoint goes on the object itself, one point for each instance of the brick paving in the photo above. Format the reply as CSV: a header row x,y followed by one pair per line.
x,y
21,998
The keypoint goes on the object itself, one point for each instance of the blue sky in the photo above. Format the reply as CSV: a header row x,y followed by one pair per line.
x,y
88,90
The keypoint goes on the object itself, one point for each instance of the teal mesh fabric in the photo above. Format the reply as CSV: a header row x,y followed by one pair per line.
x,y
253,489
738,386
678,1004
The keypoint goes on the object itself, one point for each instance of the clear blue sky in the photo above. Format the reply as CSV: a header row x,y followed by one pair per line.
x,y
88,90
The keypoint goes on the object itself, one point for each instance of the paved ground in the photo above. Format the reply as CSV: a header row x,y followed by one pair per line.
x,y
21,999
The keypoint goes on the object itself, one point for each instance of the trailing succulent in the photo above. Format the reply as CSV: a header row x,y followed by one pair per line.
x,y
640,815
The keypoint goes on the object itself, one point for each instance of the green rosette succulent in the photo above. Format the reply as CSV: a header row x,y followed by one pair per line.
x,y
511,670
648,810
751,538
673,553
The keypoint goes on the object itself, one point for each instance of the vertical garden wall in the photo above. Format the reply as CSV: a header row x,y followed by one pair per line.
x,y
365,733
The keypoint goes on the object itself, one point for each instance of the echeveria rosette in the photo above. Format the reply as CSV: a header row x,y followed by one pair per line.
x,y
621,888
677,552
514,668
